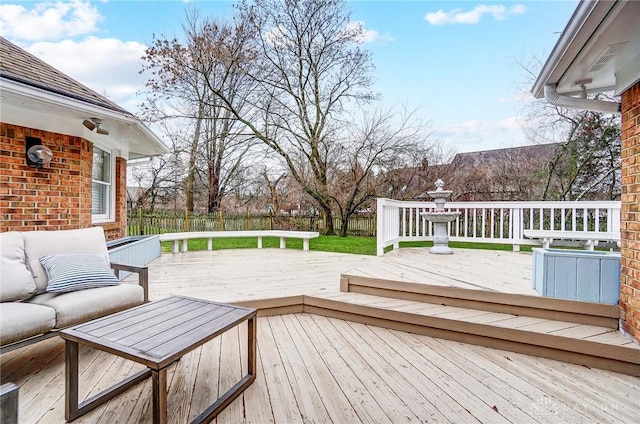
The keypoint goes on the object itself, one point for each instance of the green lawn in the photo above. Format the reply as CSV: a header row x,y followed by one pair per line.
x,y
351,244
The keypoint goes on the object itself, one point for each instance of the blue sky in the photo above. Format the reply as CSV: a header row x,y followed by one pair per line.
x,y
456,61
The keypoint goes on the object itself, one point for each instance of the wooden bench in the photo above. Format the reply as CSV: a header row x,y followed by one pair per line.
x,y
589,238
178,238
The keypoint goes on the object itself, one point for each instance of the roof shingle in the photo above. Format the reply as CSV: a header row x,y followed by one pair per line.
x,y
21,66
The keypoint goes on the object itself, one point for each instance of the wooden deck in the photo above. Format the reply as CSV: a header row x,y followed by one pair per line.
x,y
475,296
350,356
317,369
252,274
489,270
249,274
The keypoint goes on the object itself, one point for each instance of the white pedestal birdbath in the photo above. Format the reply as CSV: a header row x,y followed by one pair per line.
x,y
440,219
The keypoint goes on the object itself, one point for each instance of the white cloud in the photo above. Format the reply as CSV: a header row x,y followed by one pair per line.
x,y
473,16
48,21
368,35
106,65
471,136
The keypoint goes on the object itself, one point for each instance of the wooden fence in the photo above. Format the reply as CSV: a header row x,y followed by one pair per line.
x,y
145,223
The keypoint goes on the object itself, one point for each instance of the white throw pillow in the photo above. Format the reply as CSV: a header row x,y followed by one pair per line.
x,y
16,279
69,272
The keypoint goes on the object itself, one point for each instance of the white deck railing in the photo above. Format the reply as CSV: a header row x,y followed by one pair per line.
x,y
493,222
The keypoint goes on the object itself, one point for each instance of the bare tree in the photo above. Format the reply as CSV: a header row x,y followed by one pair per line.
x,y
154,183
183,75
414,173
309,65
587,165
379,140
272,186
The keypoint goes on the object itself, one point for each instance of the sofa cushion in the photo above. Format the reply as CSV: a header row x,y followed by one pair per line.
x,y
21,320
80,306
43,243
67,273
17,281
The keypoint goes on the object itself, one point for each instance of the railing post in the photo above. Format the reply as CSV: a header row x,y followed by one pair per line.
x,y
613,220
380,224
517,232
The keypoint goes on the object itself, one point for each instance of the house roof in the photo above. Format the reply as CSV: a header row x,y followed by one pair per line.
x,y
599,47
21,66
34,94
541,151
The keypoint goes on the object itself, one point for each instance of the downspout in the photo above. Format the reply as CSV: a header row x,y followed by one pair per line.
x,y
552,96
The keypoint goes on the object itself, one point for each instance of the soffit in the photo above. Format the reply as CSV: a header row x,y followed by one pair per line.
x,y
601,43
33,94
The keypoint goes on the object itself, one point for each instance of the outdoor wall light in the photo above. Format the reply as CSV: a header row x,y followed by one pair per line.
x,y
94,123
37,155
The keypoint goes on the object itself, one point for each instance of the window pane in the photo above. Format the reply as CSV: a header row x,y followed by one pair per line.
x,y
101,183
99,194
101,165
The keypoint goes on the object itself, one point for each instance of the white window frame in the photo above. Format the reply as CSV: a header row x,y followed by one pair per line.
x,y
109,216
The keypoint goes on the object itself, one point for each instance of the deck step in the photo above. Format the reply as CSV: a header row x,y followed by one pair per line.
x,y
589,345
588,313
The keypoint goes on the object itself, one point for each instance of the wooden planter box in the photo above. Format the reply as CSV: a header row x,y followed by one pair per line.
x,y
589,276
137,250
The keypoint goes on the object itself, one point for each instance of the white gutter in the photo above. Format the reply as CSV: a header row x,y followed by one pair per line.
x,y
552,96
21,90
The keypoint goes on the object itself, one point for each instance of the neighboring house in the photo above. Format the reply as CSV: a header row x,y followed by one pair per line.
x,y
599,51
90,137
514,173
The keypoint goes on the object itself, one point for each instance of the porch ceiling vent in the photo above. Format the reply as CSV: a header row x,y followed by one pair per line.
x,y
609,52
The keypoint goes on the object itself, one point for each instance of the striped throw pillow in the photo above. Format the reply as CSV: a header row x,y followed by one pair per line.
x,y
67,273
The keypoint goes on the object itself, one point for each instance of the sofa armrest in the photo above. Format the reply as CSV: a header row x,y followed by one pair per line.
x,y
143,275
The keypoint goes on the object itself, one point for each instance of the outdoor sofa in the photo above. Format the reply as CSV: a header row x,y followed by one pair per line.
x,y
79,283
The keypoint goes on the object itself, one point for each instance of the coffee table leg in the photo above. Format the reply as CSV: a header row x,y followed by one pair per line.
x,y
223,401
251,347
71,380
159,384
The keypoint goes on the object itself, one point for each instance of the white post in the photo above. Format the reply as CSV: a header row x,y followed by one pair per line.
x,y
380,224
517,232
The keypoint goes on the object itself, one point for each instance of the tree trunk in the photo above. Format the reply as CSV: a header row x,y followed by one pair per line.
x,y
214,188
328,222
193,154
345,224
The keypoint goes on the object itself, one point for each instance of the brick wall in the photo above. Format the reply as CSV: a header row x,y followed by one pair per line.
x,y
630,220
58,196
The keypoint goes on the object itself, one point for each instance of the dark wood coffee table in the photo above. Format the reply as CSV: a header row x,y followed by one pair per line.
x,y
156,334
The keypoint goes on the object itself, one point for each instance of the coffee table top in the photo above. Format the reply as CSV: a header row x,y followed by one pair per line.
x,y
157,333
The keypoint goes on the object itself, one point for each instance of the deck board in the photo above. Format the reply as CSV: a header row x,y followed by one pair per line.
x,y
223,276
507,272
318,369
